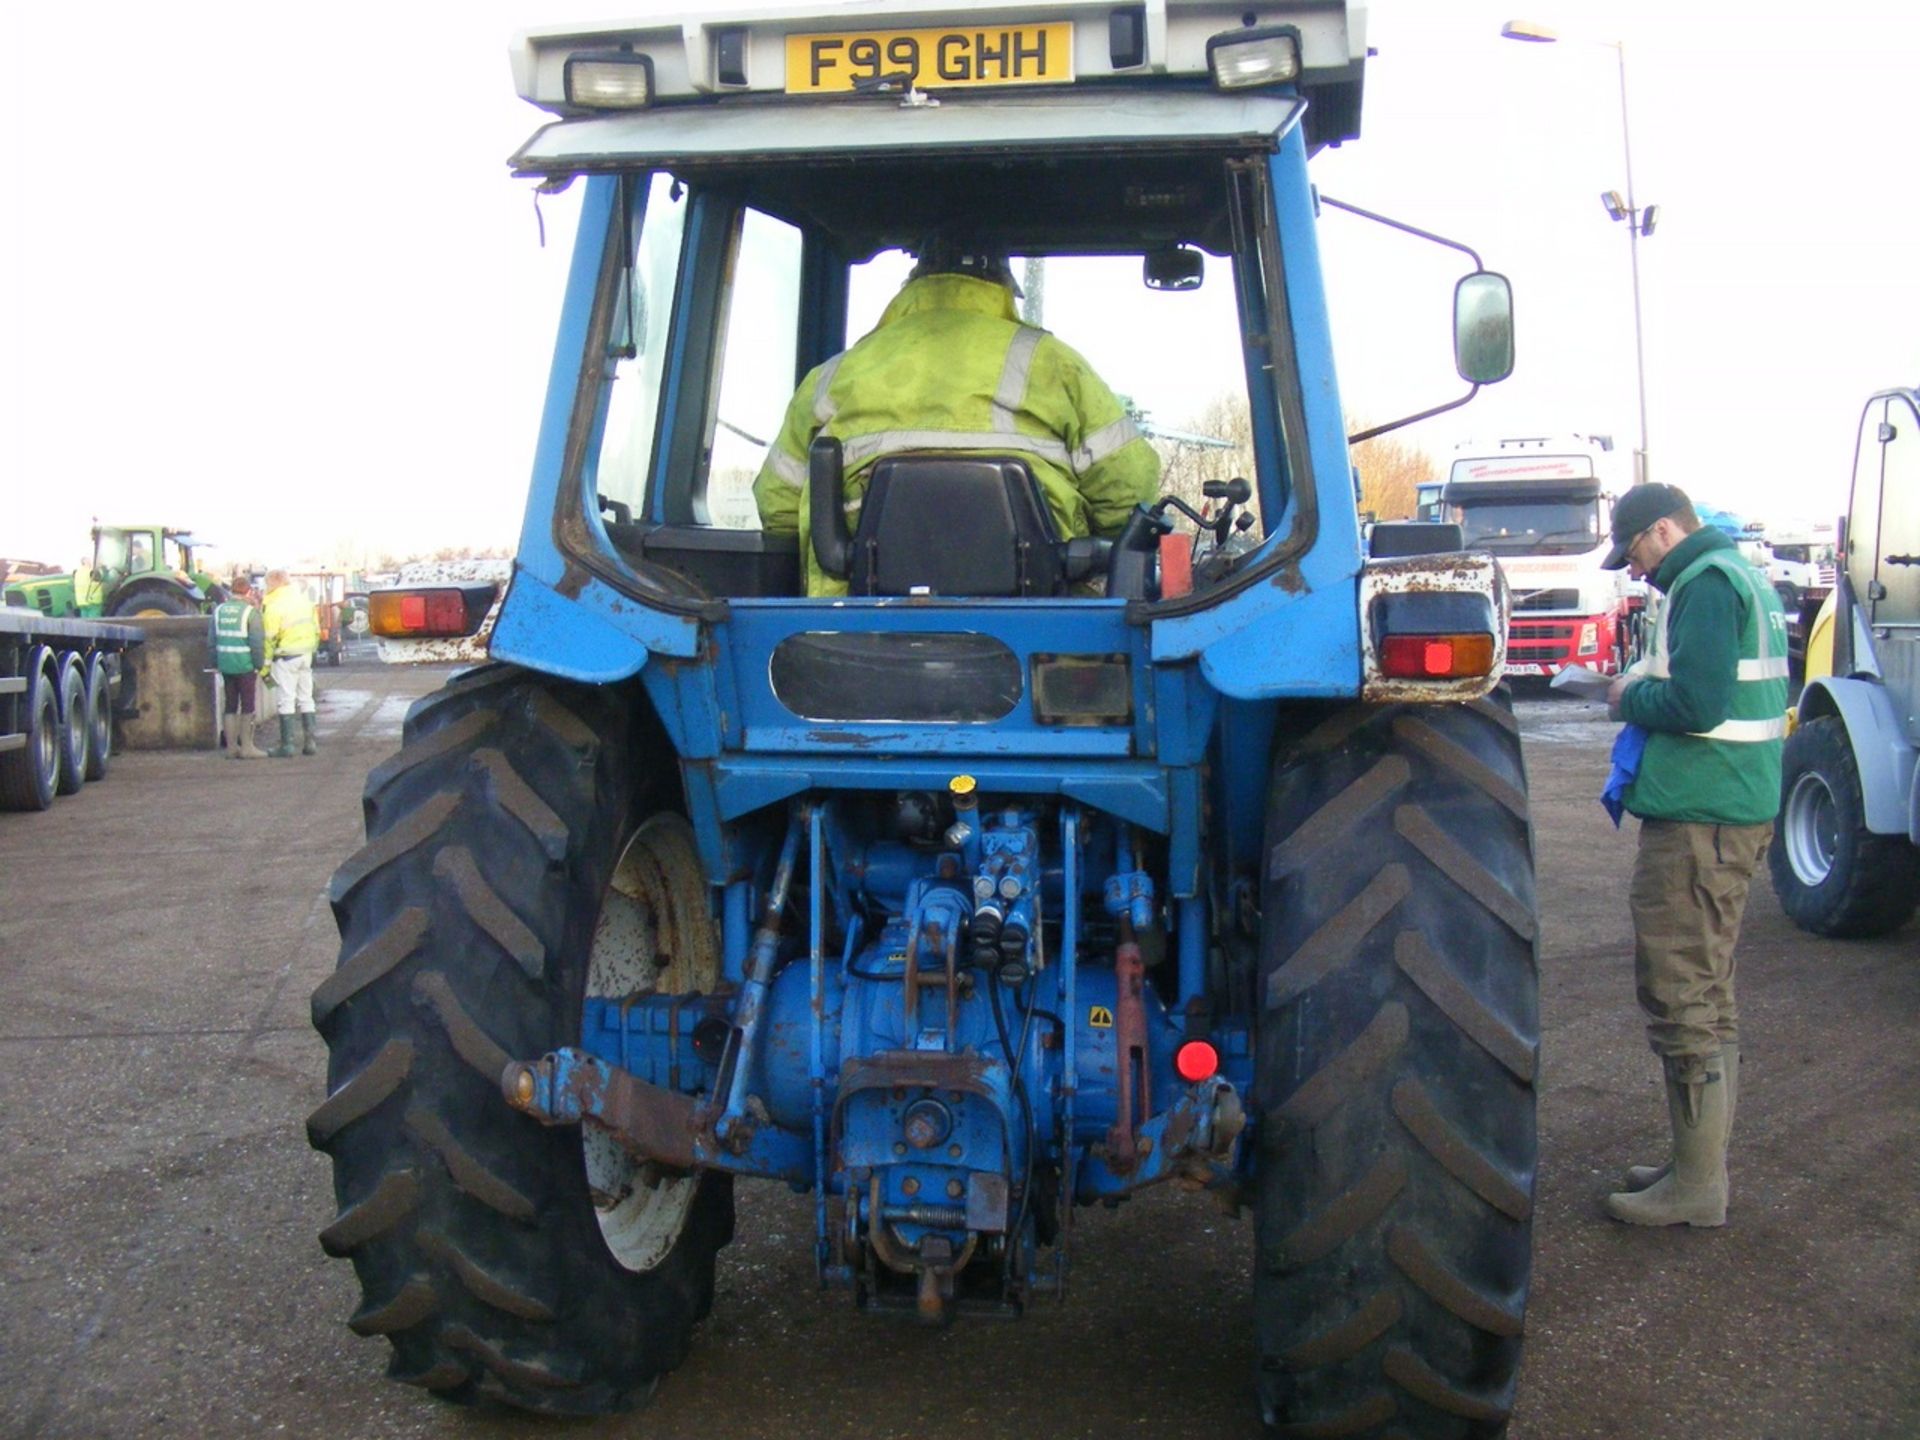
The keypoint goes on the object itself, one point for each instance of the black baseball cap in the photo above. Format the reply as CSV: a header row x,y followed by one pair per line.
x,y
1640,507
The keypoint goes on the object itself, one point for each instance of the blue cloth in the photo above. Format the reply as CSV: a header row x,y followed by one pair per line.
x,y
1628,747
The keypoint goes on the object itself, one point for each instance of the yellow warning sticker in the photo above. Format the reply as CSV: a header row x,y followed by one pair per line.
x,y
1100,1017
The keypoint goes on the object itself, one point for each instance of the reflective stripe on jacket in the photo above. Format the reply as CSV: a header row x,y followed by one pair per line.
x,y
238,644
290,623
1728,774
950,367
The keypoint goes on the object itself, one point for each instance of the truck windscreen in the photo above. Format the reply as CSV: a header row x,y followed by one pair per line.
x,y
1532,527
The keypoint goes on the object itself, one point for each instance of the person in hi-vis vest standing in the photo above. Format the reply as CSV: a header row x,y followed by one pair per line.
x,y
1711,699
293,634
240,654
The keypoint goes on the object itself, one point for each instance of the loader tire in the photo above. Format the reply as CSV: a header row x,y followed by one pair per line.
x,y
465,925
1834,876
1397,1044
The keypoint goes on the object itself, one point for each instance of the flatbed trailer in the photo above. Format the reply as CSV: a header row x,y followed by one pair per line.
x,y
59,681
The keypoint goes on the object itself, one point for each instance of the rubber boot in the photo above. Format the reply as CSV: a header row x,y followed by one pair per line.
x,y
1694,1192
285,749
1639,1177
230,735
309,745
249,750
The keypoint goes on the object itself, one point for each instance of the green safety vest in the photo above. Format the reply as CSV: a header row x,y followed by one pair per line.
x,y
232,648
1729,775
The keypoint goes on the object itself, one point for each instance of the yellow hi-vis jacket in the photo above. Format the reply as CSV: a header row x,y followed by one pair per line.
x,y
290,623
950,367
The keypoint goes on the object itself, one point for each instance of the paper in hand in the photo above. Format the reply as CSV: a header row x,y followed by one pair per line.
x,y
1582,683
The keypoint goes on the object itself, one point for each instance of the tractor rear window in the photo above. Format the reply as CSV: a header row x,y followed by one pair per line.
x,y
726,289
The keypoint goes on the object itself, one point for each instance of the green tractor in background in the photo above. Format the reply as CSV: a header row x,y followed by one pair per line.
x,y
137,571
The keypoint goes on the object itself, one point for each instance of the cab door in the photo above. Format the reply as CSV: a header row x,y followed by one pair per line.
x,y
1883,546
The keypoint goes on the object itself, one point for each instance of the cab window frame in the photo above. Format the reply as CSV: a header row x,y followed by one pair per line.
x,y
715,205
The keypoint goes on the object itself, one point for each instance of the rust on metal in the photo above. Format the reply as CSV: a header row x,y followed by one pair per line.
x,y
1448,573
647,1121
1129,1051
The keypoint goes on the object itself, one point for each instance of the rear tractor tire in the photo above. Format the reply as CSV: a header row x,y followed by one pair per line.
x,y
494,1253
1834,876
1396,1053
153,602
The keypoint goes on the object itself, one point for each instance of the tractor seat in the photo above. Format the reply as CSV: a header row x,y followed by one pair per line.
x,y
943,524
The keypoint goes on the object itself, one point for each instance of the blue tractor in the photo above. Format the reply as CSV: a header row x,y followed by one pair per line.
x,y
1033,871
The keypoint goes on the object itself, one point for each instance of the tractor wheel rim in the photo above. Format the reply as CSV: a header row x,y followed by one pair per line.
x,y
1810,828
655,934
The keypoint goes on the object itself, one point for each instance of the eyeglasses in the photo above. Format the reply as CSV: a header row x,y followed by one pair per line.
x,y
1634,544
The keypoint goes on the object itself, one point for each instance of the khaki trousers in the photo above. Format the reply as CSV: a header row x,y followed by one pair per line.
x,y
1689,891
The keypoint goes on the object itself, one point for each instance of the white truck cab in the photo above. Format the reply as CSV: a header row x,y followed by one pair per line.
x,y
1543,505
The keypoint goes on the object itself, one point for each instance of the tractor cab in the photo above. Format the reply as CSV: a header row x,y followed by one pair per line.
x,y
144,571
755,194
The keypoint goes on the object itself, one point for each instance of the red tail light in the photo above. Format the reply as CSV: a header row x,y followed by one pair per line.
x,y
1436,657
424,614
1196,1060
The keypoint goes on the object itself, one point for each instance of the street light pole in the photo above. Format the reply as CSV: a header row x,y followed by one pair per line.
x,y
1640,475
1638,224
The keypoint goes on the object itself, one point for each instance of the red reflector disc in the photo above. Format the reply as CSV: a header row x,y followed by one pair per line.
x,y
413,612
1196,1060
1438,659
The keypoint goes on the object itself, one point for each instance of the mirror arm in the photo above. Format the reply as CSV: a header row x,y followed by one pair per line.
x,y
1409,419
1466,250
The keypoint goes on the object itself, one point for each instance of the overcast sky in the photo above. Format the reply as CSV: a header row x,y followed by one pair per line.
x,y
267,275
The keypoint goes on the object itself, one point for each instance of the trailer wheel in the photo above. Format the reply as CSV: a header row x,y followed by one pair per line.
x,y
468,927
1834,876
1397,1041
74,730
99,719
30,772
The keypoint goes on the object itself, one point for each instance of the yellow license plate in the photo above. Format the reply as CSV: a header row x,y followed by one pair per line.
x,y
944,57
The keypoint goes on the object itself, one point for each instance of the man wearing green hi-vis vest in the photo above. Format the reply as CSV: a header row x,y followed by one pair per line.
x,y
1711,699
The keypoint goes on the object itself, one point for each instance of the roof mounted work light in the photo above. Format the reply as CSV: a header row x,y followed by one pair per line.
x,y
1268,55
609,80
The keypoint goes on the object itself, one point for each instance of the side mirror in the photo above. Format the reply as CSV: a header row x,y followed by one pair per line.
x,y
1483,327
1178,267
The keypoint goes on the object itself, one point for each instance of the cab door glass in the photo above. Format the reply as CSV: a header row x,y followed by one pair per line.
x,y
635,358
1899,546
759,338
1863,507
110,552
139,553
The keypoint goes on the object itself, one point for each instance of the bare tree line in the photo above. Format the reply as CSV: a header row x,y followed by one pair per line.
x,y
1390,466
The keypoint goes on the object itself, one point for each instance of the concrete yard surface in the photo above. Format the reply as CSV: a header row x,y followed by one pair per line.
x,y
161,931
